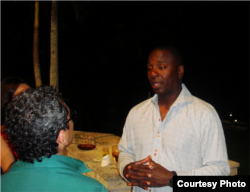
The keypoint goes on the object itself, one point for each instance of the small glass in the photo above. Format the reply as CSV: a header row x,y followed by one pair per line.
x,y
115,153
105,151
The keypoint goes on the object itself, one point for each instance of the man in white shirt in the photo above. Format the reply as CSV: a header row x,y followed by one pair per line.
x,y
172,133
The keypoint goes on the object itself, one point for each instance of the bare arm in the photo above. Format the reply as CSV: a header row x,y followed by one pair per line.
x,y
7,157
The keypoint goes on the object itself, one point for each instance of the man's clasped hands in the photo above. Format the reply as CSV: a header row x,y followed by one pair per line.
x,y
146,173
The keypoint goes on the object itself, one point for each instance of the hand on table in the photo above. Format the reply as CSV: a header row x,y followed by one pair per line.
x,y
144,176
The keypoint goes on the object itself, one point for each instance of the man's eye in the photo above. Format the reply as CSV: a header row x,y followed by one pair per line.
x,y
162,67
149,68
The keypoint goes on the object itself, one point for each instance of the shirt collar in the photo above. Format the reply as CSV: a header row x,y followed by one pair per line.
x,y
55,161
184,96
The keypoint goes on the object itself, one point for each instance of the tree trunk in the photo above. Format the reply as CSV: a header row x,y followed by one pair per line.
x,y
54,47
36,63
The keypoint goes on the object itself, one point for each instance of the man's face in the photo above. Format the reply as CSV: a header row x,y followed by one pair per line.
x,y
164,74
20,88
71,128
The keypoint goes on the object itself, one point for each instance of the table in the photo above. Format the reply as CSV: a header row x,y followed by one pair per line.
x,y
109,176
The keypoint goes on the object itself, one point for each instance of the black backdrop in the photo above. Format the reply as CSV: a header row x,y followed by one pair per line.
x,y
103,51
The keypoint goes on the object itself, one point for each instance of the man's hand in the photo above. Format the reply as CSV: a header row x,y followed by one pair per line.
x,y
160,176
138,174
151,175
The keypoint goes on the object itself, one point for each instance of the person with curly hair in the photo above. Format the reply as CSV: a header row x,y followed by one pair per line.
x,y
39,125
10,87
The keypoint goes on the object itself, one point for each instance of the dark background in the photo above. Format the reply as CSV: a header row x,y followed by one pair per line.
x,y
103,50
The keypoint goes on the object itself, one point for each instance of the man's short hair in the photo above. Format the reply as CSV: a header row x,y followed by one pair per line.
x,y
174,51
33,120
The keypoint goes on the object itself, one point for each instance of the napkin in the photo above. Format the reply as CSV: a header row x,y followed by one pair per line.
x,y
105,161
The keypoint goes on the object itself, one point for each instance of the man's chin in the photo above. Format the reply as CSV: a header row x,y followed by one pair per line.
x,y
157,91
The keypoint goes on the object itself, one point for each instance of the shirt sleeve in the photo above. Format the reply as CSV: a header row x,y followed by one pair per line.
x,y
213,147
125,146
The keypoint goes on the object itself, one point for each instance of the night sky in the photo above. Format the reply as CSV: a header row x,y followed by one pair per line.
x,y
103,50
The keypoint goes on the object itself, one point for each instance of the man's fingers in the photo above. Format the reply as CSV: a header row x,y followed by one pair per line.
x,y
141,183
138,177
152,164
144,168
143,161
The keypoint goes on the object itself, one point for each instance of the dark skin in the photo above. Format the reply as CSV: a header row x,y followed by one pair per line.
x,y
165,77
144,176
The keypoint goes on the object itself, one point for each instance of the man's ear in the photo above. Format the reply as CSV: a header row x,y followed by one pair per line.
x,y
61,139
180,71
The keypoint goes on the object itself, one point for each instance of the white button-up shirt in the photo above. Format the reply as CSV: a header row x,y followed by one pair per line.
x,y
190,140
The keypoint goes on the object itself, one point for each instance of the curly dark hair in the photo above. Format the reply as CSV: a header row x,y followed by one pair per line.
x,y
9,86
33,120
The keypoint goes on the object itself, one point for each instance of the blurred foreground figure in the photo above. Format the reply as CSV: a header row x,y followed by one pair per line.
x,y
39,125
10,87
172,133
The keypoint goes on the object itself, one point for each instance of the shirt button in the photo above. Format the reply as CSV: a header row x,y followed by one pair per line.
x,y
154,154
158,132
159,119
155,150
158,136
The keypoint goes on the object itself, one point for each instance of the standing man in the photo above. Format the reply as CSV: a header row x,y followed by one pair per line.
x,y
172,133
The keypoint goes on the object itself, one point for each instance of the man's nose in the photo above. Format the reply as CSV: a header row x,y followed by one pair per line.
x,y
154,73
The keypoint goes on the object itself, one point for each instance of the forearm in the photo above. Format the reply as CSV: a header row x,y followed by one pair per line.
x,y
124,159
7,157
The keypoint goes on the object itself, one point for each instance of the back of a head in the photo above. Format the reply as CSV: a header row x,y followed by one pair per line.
x,y
33,120
9,86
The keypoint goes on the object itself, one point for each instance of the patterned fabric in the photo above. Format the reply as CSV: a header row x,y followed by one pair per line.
x,y
190,140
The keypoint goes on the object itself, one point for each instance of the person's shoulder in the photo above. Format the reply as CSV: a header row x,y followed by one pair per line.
x,y
90,180
203,106
8,180
140,107
195,101
142,104
201,102
89,183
